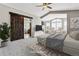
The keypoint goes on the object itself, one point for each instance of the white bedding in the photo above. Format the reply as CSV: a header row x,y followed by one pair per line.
x,y
38,33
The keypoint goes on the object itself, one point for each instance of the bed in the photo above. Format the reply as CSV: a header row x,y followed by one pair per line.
x,y
52,40
70,43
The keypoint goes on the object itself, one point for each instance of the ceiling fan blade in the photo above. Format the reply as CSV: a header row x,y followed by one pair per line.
x,y
39,5
49,3
49,7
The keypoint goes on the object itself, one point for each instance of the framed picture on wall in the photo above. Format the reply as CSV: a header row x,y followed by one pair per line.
x,y
74,23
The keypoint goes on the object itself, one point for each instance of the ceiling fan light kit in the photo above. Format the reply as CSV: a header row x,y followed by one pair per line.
x,y
45,5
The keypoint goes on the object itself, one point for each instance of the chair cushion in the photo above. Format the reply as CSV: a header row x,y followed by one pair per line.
x,y
74,35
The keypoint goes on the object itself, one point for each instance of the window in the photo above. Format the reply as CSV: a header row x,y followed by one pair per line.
x,y
65,25
57,24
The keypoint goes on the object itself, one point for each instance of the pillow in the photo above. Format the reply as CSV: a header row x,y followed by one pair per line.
x,y
74,35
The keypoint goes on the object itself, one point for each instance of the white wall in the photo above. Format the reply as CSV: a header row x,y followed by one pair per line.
x,y
35,22
5,16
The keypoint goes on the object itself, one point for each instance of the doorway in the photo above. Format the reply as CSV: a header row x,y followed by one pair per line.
x,y
27,27
17,26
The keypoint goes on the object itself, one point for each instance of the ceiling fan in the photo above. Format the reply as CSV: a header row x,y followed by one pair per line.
x,y
45,5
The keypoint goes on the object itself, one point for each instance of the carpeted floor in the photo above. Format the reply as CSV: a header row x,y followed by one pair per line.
x,y
27,47
19,48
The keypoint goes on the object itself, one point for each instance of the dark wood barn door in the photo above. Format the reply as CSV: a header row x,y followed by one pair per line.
x,y
17,27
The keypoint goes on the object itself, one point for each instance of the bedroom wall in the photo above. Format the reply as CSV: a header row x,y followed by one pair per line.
x,y
5,16
70,14
35,22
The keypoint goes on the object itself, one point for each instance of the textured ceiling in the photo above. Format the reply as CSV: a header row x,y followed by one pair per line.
x,y
32,9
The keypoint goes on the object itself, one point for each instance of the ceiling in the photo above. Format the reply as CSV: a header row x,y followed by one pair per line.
x,y
54,16
32,9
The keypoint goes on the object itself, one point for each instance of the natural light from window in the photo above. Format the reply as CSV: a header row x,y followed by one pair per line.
x,y
57,24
